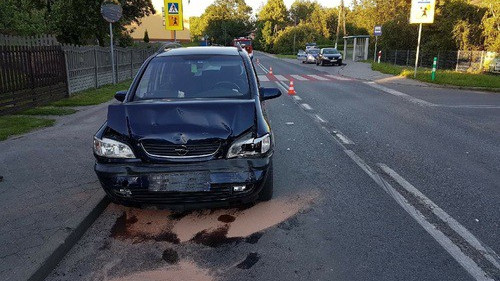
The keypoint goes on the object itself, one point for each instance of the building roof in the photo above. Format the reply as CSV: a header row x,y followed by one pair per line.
x,y
227,51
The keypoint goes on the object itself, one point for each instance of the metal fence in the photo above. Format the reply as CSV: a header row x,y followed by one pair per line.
x,y
42,40
31,76
90,66
466,61
37,70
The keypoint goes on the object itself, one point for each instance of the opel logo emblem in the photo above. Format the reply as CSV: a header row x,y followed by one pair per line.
x,y
181,150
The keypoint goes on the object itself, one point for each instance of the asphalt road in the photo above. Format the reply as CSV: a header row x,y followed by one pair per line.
x,y
372,182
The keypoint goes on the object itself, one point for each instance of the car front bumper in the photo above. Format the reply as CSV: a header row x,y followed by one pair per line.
x,y
129,183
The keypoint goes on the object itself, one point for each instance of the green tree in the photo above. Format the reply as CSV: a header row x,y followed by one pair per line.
x,y
490,25
275,12
146,36
301,10
303,34
22,17
225,20
80,21
195,28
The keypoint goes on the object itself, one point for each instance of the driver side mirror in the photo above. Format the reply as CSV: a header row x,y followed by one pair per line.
x,y
120,95
269,93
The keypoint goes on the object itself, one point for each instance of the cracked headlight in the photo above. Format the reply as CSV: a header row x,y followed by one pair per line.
x,y
112,149
248,146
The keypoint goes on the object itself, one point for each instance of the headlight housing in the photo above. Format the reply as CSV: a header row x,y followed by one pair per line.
x,y
112,149
340,57
247,146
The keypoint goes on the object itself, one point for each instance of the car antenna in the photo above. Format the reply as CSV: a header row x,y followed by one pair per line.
x,y
167,46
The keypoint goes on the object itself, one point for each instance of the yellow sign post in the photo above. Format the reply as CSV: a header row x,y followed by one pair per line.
x,y
422,11
173,15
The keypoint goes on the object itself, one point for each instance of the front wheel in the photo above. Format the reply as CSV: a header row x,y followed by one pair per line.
x,y
339,62
266,193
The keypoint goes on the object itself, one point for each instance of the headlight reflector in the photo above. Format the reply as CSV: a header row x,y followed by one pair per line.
x,y
248,146
112,149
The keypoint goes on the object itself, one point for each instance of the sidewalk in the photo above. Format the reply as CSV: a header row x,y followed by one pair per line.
x,y
363,71
49,193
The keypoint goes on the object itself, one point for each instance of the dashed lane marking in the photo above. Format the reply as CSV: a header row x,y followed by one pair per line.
x,y
263,78
281,77
317,77
298,77
306,106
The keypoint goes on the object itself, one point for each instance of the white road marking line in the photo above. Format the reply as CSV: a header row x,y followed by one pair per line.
x,y
320,119
306,106
317,77
263,68
298,77
488,253
263,78
297,98
338,77
284,90
343,138
281,77
465,261
472,106
399,94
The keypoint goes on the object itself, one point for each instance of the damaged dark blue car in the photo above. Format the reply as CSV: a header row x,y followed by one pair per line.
x,y
191,131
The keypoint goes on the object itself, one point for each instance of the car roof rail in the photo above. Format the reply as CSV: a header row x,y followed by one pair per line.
x,y
238,46
165,47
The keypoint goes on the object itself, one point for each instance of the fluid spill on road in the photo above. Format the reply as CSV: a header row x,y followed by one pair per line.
x,y
170,255
128,226
184,270
226,218
250,260
212,228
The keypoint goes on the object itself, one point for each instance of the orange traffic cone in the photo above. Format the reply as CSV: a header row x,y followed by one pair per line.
x,y
291,89
270,70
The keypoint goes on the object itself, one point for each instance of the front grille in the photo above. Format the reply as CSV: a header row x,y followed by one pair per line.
x,y
165,149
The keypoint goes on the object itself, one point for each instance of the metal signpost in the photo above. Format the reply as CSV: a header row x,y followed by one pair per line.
x,y
111,11
377,32
173,16
422,11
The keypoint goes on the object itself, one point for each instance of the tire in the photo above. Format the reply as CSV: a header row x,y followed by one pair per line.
x,y
266,193
339,62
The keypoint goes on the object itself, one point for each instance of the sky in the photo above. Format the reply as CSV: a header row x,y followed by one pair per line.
x,y
197,7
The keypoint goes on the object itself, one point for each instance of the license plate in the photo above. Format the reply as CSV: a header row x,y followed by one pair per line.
x,y
181,182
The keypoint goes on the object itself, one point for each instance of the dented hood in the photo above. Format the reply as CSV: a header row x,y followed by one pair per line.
x,y
182,121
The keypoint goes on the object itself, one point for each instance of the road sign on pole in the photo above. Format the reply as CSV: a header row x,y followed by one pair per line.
x,y
377,32
111,11
422,11
173,15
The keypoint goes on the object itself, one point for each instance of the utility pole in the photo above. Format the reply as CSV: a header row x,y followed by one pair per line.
x,y
341,15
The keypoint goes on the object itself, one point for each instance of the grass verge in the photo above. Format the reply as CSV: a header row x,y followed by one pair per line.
x,y
48,110
444,77
14,125
93,96
281,56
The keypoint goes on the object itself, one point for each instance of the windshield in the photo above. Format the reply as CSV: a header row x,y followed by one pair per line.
x,y
194,77
313,51
330,51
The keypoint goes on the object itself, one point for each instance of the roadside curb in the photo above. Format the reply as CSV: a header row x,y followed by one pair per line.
x,y
425,84
71,239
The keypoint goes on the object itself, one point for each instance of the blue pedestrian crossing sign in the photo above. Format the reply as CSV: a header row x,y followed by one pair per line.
x,y
173,8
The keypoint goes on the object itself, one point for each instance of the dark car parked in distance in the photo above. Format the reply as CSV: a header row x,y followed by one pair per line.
x,y
329,56
191,131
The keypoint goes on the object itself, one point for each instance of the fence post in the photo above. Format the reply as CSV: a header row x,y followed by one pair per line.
x,y
407,57
66,65
131,63
96,68
482,60
458,56
395,56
